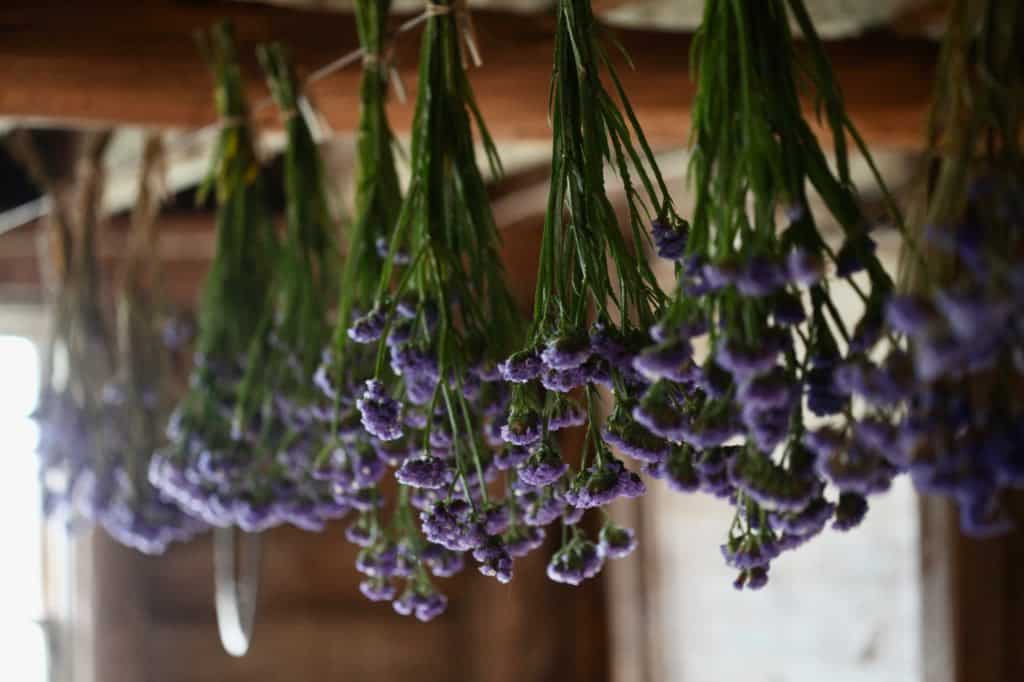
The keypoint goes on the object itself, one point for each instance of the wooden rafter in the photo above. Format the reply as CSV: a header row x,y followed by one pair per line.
x,y
121,62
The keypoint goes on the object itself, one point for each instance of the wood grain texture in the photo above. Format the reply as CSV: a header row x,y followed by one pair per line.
x,y
114,61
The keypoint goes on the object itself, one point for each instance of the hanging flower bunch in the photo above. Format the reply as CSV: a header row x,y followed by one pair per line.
x,y
961,428
139,399
224,464
590,269
101,420
441,319
755,288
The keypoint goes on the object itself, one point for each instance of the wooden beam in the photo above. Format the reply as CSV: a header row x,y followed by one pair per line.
x,y
124,62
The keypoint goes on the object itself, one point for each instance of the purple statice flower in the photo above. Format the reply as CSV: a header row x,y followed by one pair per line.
x,y
752,579
368,468
805,522
430,606
972,315
360,533
377,589
544,467
521,540
670,360
771,485
633,440
323,379
543,510
850,511
669,240
855,254
659,413
510,457
609,343
572,515
401,332
442,562
497,519
787,309
856,469
749,551
760,277
521,367
574,563
495,560
823,396
564,414
565,380
425,472
369,327
911,315
746,360
451,525
719,275
804,267
381,414
598,485
772,389
523,427
767,426
937,357
566,352
616,542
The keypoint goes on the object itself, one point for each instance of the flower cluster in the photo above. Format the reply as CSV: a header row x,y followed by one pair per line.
x,y
756,296
958,424
100,424
245,439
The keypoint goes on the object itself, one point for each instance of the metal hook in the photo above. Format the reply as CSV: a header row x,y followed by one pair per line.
x,y
237,585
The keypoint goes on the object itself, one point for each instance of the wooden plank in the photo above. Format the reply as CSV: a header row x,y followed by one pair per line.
x,y
122,62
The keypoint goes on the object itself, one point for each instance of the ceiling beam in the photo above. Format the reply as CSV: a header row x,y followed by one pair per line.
x,y
124,62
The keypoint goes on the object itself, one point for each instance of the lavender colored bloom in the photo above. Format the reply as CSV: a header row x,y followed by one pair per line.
x,y
443,562
380,412
670,360
658,412
565,414
744,361
523,427
566,352
521,367
720,275
369,327
565,380
510,457
669,240
431,606
495,560
633,440
377,589
806,522
522,540
769,390
804,267
616,542
747,552
497,519
543,511
972,315
787,309
911,315
544,467
823,396
850,511
425,472
854,254
760,277
610,344
575,563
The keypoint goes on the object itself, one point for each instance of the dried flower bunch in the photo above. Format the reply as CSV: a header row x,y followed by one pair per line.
x,y
102,420
959,428
245,436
